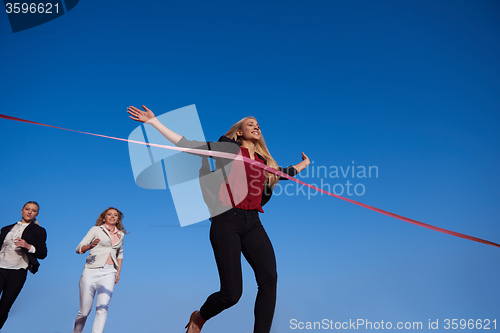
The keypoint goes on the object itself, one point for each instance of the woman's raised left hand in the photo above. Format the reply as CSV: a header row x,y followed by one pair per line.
x,y
305,159
302,165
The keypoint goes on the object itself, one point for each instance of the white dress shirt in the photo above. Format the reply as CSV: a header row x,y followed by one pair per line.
x,y
12,256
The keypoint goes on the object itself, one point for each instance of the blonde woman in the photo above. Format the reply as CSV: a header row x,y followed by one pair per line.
x,y
102,269
237,229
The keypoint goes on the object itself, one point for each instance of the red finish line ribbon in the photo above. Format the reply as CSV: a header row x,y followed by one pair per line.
x,y
276,172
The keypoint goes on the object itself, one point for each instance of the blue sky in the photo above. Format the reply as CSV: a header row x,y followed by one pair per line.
x,y
410,87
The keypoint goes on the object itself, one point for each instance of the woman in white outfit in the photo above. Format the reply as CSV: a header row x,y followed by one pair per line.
x,y
102,269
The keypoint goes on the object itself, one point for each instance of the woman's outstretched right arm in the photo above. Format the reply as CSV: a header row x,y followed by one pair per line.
x,y
148,117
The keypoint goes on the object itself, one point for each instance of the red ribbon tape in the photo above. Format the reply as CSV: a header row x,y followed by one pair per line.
x,y
279,173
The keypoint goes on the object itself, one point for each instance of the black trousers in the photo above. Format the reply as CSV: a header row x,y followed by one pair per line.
x,y
11,283
232,233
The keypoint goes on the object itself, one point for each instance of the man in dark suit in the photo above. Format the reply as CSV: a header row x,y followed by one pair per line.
x,y
21,245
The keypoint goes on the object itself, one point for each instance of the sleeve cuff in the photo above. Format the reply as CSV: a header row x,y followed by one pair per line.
x,y
181,142
32,249
291,171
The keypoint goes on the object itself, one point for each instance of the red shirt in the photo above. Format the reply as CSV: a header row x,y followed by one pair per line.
x,y
244,185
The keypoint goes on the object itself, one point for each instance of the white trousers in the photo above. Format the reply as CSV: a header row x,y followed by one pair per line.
x,y
102,281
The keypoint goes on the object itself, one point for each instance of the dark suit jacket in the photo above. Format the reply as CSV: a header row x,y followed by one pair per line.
x,y
228,145
33,235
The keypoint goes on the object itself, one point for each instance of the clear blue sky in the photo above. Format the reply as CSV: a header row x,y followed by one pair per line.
x,y
411,87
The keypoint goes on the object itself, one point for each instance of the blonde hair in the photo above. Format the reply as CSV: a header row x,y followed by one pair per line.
x,y
260,148
119,225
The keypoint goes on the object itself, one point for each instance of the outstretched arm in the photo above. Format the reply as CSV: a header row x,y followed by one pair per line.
x,y
148,117
304,164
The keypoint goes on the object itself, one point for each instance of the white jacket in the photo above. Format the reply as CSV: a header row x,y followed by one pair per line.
x,y
100,253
